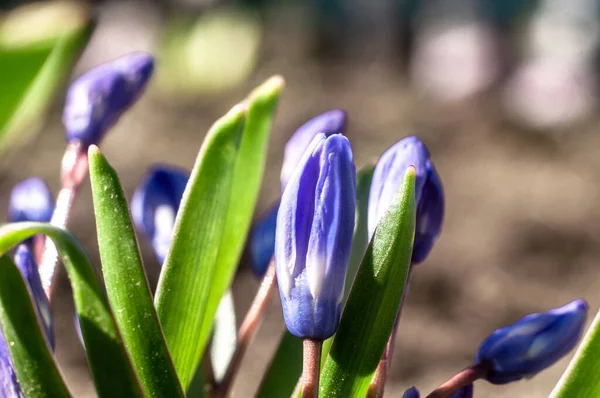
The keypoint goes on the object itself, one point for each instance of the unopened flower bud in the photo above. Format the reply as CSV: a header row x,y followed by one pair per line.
x,y
155,204
533,343
262,241
30,200
429,194
314,236
328,123
98,98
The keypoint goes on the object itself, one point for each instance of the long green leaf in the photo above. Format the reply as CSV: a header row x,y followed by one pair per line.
x,y
285,369
374,300
36,370
211,225
581,377
108,359
126,283
34,65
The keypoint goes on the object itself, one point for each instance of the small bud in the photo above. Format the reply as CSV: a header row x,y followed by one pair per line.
x,y
155,204
97,99
30,200
26,264
533,343
314,235
262,241
328,123
429,193
411,393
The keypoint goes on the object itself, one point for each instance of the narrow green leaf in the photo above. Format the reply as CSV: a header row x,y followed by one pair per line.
x,y
581,377
285,369
211,227
126,282
35,62
186,278
36,370
107,357
374,300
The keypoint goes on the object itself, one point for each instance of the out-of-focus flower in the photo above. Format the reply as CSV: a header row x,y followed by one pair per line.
x,y
26,264
465,392
533,343
30,200
328,123
314,236
9,386
262,241
411,393
97,99
155,204
429,194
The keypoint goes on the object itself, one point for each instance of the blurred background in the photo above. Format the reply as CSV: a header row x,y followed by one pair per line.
x,y
504,93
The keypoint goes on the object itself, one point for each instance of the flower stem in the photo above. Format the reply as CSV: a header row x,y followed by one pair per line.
x,y
74,169
311,367
248,329
460,380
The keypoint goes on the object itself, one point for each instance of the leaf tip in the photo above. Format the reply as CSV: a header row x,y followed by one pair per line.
x,y
93,150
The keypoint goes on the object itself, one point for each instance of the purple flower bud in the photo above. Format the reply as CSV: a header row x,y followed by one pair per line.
x,y
26,264
314,235
411,393
533,343
262,241
30,200
328,123
97,99
155,204
429,193
9,385
465,392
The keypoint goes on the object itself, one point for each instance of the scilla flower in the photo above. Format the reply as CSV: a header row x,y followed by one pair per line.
x,y
328,123
532,344
9,386
465,392
30,200
97,99
262,241
155,204
262,238
429,194
314,235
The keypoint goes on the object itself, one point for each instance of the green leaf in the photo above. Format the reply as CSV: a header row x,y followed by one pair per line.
x,y
285,369
36,370
108,359
581,377
211,226
126,282
374,300
35,62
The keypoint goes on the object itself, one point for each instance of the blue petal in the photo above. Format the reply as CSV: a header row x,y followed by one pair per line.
x,y
155,204
328,123
9,386
411,393
262,241
97,99
30,200
26,264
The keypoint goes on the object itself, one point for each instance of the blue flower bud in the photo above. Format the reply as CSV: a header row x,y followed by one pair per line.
x,y
314,235
262,241
26,264
328,123
97,99
30,200
411,393
155,204
9,385
533,343
429,193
